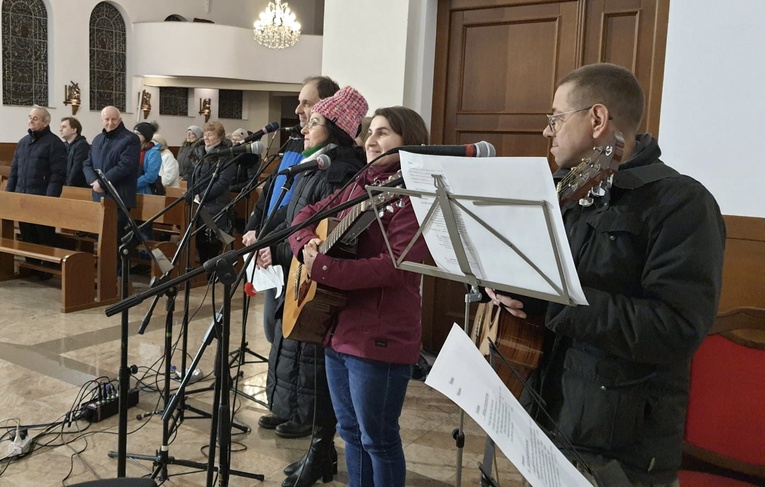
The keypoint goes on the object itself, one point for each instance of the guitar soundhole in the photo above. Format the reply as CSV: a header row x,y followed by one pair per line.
x,y
296,283
302,291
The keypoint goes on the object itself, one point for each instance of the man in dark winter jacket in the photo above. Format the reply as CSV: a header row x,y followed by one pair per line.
x,y
38,167
115,151
649,252
77,149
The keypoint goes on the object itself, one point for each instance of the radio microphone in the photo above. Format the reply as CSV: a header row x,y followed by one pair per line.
x,y
260,133
479,149
321,163
256,147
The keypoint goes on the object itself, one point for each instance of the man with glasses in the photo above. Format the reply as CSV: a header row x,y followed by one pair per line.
x,y
649,252
38,167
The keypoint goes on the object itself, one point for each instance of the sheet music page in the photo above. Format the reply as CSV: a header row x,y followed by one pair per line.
x,y
463,375
538,258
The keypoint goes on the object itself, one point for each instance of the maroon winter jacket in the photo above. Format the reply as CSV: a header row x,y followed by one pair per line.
x,y
381,319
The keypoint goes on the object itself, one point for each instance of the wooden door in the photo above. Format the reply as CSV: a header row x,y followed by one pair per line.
x,y
497,62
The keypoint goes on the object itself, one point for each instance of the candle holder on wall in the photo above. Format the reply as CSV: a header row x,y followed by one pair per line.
x,y
72,96
145,97
205,108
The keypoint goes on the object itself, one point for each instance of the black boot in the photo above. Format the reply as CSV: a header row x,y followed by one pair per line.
x,y
319,463
293,467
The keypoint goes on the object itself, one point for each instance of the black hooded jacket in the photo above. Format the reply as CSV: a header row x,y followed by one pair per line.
x,y
615,373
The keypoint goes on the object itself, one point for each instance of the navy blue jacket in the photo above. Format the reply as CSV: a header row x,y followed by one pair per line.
x,y
76,152
115,153
39,164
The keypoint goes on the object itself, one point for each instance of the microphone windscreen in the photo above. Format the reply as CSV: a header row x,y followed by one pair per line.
x,y
257,147
323,162
485,149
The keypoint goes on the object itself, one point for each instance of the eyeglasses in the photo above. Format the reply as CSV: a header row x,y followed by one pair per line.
x,y
313,123
554,121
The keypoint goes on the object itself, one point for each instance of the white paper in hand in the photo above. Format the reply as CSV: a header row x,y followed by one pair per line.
x,y
269,278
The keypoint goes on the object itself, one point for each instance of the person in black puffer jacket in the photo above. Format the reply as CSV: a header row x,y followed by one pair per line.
x,y
38,167
296,378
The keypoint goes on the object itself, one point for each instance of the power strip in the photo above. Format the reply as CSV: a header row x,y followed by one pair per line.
x,y
95,411
21,444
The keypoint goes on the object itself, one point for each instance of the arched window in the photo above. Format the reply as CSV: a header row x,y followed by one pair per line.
x,y
107,58
25,53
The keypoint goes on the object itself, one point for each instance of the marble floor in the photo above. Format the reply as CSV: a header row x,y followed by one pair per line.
x,y
48,360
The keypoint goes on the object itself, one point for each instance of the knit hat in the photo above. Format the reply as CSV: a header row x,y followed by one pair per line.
x,y
241,133
146,129
197,131
346,109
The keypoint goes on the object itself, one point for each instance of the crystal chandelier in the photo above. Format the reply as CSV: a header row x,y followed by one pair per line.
x,y
276,28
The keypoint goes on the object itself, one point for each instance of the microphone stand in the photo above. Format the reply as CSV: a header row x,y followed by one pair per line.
x,y
238,356
162,457
221,425
124,371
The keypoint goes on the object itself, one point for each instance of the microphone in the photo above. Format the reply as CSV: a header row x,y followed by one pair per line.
x,y
321,163
256,147
296,130
479,149
260,133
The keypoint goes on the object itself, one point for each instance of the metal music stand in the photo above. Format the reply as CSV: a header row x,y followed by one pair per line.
x,y
453,210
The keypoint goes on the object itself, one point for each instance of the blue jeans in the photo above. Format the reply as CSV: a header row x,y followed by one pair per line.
x,y
368,397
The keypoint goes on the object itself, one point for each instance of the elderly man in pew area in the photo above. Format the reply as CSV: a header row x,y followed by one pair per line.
x,y
115,151
38,167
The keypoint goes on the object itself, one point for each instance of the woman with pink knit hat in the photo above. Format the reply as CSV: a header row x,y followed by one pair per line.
x,y
298,407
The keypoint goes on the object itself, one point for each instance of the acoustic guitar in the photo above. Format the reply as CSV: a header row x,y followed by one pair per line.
x,y
520,340
309,308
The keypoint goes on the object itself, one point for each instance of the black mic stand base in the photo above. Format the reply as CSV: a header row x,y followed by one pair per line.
x,y
171,460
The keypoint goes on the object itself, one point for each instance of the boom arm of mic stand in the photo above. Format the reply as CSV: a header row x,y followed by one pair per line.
x,y
243,193
275,237
184,241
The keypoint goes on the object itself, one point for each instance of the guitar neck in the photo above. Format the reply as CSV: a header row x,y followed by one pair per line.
x,y
337,233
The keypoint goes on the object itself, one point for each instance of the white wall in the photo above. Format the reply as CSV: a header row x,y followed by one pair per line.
x,y
713,102
383,49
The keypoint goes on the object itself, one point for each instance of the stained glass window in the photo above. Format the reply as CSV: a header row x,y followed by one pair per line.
x,y
107,58
25,52
230,104
173,101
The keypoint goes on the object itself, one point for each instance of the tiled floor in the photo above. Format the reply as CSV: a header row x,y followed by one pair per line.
x,y
46,357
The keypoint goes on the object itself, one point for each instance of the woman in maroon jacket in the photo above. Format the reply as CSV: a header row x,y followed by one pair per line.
x,y
375,337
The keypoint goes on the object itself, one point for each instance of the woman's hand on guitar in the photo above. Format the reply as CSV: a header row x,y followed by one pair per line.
x,y
513,306
310,250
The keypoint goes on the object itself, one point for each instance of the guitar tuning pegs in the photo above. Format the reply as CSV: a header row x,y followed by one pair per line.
x,y
599,189
586,201
389,208
400,203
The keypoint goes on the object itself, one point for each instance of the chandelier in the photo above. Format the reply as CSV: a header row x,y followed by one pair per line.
x,y
276,28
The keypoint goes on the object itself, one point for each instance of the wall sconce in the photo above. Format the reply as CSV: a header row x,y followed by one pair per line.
x,y
72,96
145,104
205,108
